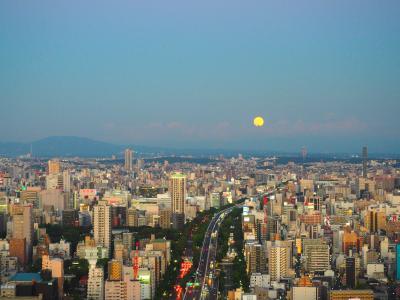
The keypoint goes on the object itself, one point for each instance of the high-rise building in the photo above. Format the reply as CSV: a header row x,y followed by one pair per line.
x,y
350,272
364,162
102,224
375,220
114,270
54,166
18,250
132,217
256,259
317,257
95,289
66,181
177,190
116,290
277,262
128,159
22,225
350,241
165,218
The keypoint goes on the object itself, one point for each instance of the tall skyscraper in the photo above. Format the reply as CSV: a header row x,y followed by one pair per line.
x,y
256,260
22,225
350,272
177,190
54,166
364,162
66,181
102,224
278,266
128,159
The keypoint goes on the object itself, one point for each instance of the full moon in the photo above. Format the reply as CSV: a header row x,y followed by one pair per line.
x,y
258,121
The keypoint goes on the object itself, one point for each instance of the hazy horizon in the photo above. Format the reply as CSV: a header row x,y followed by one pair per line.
x,y
324,75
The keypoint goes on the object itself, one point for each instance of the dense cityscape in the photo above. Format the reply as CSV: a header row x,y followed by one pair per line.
x,y
215,228
199,150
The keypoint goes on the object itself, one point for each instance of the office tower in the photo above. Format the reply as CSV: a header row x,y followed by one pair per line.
x,y
66,181
102,224
95,289
364,162
18,250
22,225
350,272
127,241
165,218
256,259
132,217
273,226
398,262
349,241
177,190
31,196
277,262
128,160
114,270
317,257
54,166
375,220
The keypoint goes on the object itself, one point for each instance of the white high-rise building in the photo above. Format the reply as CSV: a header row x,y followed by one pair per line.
x,y
95,289
102,224
278,266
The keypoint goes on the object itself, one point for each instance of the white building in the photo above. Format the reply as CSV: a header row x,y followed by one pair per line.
x,y
102,224
95,289
304,293
61,249
260,280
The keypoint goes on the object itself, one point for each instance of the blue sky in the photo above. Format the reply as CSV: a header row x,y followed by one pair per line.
x,y
323,74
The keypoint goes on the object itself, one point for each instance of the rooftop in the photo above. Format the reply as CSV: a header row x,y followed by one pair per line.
x,y
26,277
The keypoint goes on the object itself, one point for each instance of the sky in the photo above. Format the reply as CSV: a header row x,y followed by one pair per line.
x,y
184,74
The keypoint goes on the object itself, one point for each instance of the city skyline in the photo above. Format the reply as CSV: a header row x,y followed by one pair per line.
x,y
190,75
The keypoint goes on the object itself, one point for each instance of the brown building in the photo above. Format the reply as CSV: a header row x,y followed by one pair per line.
x,y
350,240
311,219
54,166
17,249
352,294
165,218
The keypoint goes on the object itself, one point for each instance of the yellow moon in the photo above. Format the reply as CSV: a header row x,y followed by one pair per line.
x,y
258,121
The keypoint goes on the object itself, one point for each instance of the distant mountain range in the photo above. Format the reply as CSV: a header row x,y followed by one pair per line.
x,y
72,146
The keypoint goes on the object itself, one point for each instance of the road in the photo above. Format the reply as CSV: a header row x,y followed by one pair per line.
x,y
205,274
